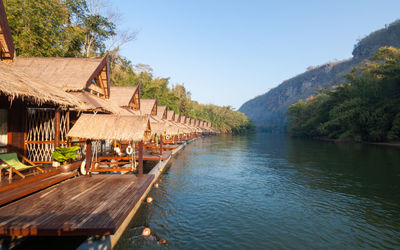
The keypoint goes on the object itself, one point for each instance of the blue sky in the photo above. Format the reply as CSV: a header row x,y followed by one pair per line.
x,y
227,52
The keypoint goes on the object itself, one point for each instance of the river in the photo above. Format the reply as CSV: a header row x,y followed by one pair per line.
x,y
271,191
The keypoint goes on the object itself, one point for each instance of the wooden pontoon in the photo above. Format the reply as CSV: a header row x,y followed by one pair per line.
x,y
83,206
100,127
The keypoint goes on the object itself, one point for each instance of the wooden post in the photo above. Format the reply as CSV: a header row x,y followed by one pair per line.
x,y
68,142
161,145
57,123
88,155
140,170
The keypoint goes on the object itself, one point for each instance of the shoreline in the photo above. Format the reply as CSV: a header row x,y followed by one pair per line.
x,y
391,144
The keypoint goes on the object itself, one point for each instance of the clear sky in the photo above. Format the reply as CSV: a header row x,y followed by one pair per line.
x,y
229,51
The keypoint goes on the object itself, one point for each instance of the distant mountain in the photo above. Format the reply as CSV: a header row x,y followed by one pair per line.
x,y
268,110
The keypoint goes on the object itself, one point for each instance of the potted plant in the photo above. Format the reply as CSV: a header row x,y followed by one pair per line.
x,y
63,155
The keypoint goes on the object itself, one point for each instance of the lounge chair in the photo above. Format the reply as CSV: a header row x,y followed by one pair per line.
x,y
14,165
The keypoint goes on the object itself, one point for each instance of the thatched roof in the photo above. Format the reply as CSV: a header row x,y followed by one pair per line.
x,y
148,106
162,112
182,128
163,127
6,41
92,102
69,74
171,115
17,84
177,118
123,96
113,127
183,119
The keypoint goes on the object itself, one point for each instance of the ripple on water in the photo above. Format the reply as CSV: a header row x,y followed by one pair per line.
x,y
270,191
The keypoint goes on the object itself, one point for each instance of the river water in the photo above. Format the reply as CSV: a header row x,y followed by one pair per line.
x,y
271,191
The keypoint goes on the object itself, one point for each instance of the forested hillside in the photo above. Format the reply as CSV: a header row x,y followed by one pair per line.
x,y
177,97
268,110
365,108
79,28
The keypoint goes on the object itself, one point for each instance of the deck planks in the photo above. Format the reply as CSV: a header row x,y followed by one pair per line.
x,y
10,194
147,156
94,205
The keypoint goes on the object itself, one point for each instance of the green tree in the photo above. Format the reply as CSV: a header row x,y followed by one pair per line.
x,y
366,108
57,28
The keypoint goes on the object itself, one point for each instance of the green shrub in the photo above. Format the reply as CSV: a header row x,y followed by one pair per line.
x,y
64,154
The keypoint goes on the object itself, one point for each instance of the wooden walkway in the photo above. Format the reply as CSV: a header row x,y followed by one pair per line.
x,y
29,186
84,206
147,156
170,146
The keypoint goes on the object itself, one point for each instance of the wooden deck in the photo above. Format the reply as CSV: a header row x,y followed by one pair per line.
x,y
34,181
170,146
83,206
148,156
24,188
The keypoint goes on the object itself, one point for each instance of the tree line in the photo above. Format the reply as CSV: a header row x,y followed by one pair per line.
x,y
177,97
364,108
86,28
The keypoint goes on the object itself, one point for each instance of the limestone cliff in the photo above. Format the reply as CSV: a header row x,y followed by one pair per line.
x,y
268,110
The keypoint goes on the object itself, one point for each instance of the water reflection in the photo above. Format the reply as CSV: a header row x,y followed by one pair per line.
x,y
272,191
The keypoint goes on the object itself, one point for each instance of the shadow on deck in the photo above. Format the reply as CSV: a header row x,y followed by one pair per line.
x,y
85,205
34,181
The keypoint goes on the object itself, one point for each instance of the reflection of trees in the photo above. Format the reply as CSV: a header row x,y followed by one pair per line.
x,y
367,175
348,168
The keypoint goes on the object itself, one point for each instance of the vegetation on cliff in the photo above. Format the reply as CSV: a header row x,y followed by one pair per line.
x,y
365,108
268,111
78,28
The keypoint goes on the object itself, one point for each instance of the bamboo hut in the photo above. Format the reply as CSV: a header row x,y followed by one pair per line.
x,y
161,125
111,127
162,112
127,98
87,79
100,127
148,107
34,116
171,115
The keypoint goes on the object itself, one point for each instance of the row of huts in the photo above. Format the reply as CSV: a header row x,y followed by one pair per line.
x,y
47,103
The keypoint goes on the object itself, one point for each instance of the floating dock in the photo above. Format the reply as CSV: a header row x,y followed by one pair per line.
x,y
85,205
100,205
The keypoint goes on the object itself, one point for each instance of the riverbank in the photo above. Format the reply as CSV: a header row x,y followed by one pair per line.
x,y
391,144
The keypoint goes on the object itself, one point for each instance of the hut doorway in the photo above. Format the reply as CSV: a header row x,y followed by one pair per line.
x,y
3,130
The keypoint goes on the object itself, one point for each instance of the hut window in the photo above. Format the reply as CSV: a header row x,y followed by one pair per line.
x,y
40,133
3,130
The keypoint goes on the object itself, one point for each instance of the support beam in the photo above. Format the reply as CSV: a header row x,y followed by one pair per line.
x,y
68,127
161,145
140,170
57,124
88,155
